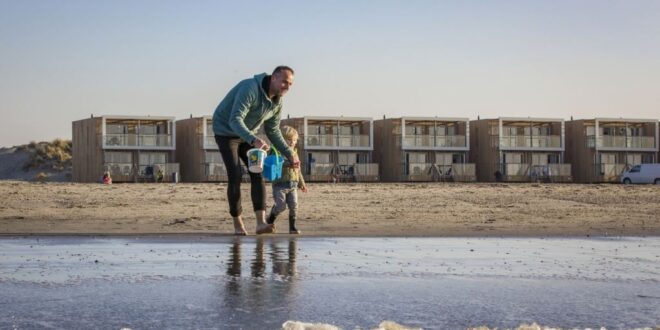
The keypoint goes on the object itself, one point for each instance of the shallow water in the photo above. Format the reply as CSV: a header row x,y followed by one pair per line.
x,y
259,283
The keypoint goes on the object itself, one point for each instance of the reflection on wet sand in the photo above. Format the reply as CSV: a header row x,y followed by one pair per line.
x,y
260,287
283,262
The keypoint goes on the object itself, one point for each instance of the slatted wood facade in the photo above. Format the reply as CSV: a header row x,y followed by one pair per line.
x,y
87,151
339,149
519,149
197,151
600,149
423,149
147,154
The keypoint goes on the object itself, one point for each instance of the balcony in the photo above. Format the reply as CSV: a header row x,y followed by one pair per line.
x,y
118,169
431,141
150,172
214,171
358,172
135,140
524,172
463,172
338,141
530,141
610,141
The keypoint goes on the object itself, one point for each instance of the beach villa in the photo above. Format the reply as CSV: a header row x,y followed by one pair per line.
x,y
600,149
335,148
130,148
519,149
423,149
197,152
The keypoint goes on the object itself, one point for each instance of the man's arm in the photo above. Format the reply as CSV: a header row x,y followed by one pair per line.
x,y
243,100
274,134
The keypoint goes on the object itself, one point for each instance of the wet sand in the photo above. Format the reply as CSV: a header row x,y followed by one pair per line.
x,y
376,209
348,283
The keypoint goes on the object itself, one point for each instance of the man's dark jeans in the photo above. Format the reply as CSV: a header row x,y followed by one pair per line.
x,y
233,151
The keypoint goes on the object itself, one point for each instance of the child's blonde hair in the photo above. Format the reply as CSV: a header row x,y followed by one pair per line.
x,y
289,132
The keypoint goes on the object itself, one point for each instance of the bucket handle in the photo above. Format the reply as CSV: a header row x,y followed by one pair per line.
x,y
277,153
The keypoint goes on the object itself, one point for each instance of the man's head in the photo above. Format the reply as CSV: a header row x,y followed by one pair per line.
x,y
281,81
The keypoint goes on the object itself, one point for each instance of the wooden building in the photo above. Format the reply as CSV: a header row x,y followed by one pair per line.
x,y
335,148
601,148
423,149
130,148
197,152
519,150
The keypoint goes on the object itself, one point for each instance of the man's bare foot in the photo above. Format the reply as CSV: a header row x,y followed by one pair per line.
x,y
265,229
239,228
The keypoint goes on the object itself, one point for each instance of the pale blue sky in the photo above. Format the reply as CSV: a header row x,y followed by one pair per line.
x,y
63,60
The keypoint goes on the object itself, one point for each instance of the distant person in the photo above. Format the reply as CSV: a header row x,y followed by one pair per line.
x,y
160,175
248,105
498,176
106,178
285,189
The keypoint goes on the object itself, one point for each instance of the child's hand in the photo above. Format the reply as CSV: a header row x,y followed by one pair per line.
x,y
304,189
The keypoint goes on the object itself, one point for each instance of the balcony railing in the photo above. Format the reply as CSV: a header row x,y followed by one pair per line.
x,y
214,169
152,169
332,140
536,171
530,141
434,141
358,169
138,140
321,169
419,168
118,169
439,172
609,141
611,170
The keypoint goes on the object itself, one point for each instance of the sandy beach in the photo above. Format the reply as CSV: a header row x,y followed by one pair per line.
x,y
382,209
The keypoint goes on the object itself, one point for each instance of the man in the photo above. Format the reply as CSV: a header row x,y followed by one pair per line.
x,y
251,103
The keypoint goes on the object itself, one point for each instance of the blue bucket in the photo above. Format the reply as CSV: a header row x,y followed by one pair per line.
x,y
273,166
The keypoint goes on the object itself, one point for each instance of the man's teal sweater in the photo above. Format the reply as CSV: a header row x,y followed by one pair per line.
x,y
245,108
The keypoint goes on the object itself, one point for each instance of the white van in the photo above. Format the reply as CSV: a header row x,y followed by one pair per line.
x,y
644,173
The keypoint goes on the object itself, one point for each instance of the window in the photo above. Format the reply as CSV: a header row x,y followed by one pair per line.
x,y
443,158
149,158
458,158
148,129
213,157
512,158
635,169
118,157
115,129
416,157
319,157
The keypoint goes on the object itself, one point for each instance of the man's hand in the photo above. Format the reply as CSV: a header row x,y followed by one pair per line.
x,y
304,189
295,163
261,144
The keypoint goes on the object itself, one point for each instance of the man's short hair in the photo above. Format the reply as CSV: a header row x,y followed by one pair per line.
x,y
282,68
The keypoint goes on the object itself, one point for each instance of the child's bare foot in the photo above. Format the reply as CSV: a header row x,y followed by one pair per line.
x,y
265,228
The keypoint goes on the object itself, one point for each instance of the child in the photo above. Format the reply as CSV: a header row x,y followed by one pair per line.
x,y
106,178
285,188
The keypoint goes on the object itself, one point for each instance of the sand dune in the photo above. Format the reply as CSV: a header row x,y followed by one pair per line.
x,y
382,209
